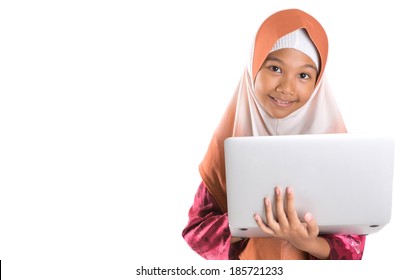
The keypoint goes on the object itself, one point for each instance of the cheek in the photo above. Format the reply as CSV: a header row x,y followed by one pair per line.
x,y
261,85
305,93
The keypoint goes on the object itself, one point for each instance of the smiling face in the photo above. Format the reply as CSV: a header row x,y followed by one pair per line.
x,y
285,82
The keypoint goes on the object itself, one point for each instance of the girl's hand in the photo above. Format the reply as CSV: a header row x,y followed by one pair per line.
x,y
287,225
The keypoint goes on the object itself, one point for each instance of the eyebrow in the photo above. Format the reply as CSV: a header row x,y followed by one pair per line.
x,y
273,58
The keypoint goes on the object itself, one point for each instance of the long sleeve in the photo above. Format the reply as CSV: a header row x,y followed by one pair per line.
x,y
346,247
207,231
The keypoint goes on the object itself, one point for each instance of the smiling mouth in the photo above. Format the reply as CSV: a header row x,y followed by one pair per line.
x,y
281,103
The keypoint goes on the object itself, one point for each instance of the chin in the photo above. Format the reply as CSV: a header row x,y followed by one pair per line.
x,y
280,115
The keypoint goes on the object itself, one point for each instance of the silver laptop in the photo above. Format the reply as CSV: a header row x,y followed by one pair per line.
x,y
345,180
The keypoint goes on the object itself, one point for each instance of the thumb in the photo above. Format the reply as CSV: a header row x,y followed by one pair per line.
x,y
312,227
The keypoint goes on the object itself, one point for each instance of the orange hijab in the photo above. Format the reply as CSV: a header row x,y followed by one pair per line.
x,y
244,116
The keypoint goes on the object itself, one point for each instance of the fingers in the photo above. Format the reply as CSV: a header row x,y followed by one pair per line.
x,y
312,228
279,212
279,208
291,211
262,225
271,226
281,219
268,212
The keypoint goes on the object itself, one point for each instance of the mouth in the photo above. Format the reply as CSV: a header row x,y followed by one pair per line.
x,y
281,103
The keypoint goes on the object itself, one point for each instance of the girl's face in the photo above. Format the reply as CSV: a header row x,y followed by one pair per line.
x,y
285,82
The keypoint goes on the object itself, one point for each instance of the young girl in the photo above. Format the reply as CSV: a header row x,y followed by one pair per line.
x,y
282,91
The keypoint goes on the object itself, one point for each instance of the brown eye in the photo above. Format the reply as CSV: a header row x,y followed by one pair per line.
x,y
304,76
276,69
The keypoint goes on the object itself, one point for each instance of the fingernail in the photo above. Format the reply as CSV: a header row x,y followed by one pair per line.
x,y
277,191
266,201
308,216
289,190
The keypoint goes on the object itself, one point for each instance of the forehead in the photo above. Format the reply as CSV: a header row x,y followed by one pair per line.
x,y
284,22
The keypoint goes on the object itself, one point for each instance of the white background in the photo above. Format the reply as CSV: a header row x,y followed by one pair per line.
x,y
107,108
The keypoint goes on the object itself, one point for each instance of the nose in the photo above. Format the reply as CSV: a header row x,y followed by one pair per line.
x,y
286,86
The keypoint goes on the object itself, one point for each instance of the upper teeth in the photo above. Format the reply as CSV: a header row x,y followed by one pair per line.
x,y
281,101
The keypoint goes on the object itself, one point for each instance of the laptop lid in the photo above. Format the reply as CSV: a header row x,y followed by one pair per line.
x,y
345,180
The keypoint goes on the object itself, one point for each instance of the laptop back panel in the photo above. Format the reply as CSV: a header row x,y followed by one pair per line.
x,y
344,180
